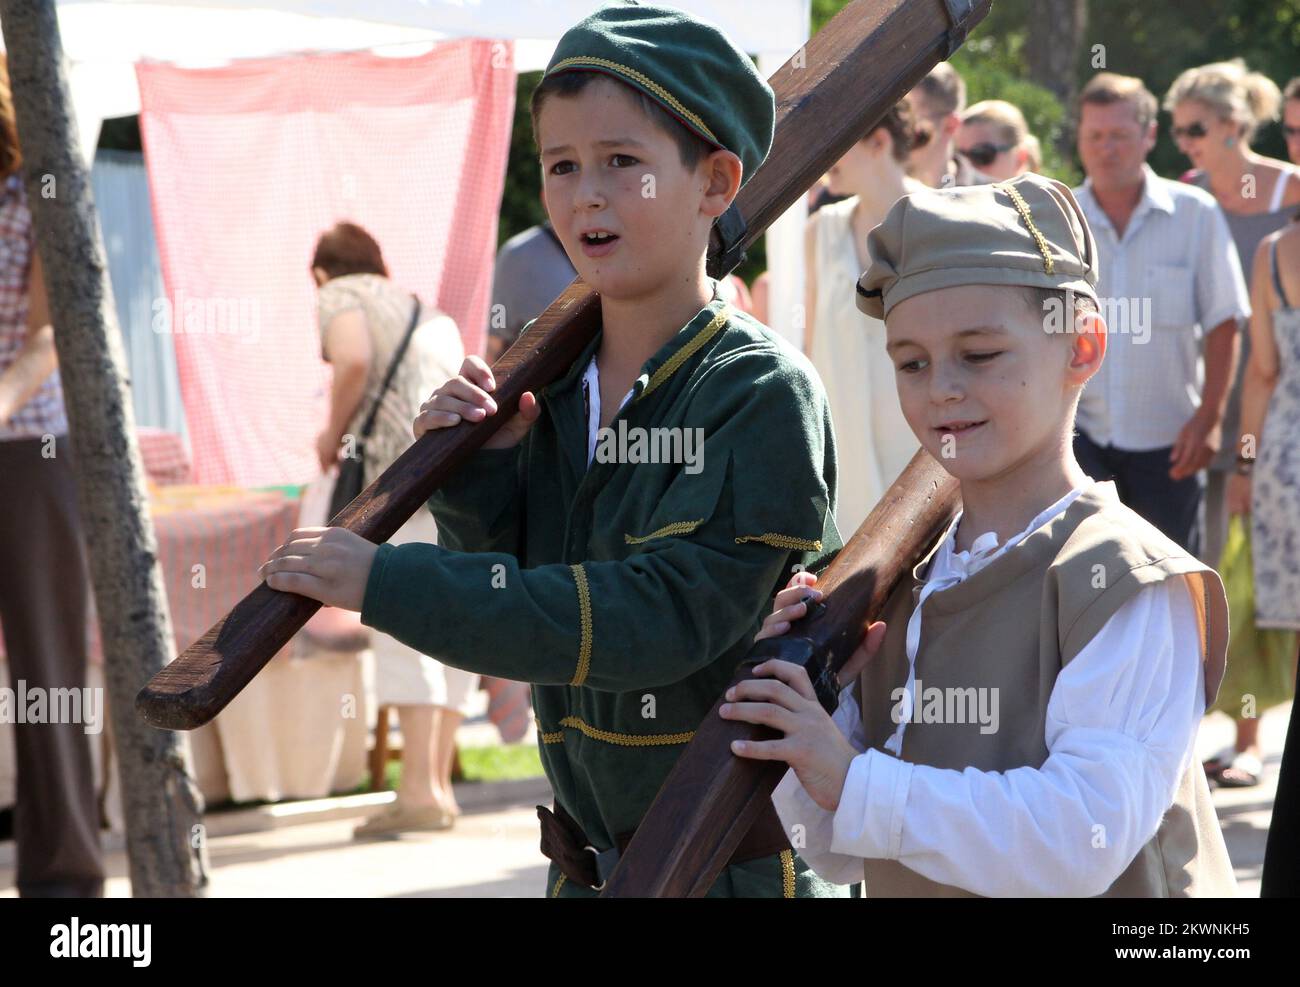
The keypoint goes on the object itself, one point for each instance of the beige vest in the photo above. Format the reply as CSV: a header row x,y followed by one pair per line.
x,y
1013,626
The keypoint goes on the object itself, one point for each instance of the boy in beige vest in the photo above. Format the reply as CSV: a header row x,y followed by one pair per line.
x,y
1022,721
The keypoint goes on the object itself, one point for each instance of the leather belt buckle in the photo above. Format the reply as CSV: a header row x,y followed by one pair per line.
x,y
604,863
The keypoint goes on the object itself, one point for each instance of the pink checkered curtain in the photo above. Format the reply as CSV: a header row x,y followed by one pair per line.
x,y
248,164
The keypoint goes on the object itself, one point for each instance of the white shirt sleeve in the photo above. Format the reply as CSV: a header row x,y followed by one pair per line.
x,y
1120,727
809,826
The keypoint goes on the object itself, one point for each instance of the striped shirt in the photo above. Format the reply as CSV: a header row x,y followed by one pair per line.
x,y
1171,278
43,414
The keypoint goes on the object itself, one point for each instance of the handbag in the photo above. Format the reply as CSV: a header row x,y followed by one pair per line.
x,y
352,468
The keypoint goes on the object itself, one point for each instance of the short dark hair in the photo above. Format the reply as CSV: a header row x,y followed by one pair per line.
x,y
1037,300
1106,88
943,90
691,148
908,130
348,249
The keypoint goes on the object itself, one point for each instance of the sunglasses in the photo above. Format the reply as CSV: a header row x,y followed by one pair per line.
x,y
1193,131
982,155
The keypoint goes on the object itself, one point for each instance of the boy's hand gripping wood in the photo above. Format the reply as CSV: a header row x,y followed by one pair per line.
x,y
827,96
711,798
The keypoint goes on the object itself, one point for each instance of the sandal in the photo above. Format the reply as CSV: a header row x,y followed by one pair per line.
x,y
397,819
1220,762
1244,772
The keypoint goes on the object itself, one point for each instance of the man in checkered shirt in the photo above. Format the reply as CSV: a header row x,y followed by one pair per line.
x,y
43,584
1173,296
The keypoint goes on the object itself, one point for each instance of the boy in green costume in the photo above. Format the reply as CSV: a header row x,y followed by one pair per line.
x,y
617,541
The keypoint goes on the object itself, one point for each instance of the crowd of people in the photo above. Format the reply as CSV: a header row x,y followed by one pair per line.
x,y
1191,413
1200,389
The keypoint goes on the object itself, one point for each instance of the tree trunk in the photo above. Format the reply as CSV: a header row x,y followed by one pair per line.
x,y
161,803
1056,30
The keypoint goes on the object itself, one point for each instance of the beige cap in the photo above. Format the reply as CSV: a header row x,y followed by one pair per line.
x,y
1027,231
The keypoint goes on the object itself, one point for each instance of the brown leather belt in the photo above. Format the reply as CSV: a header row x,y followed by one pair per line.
x,y
564,842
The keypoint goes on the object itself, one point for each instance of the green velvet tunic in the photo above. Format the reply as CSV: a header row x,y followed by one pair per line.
x,y
628,592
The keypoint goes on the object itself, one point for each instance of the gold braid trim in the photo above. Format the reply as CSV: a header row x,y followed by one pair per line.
x,y
548,738
676,528
674,362
559,883
584,609
627,739
1022,207
787,873
782,541
643,80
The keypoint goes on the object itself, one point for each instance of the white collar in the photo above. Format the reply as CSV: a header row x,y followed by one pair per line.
x,y
1155,193
952,565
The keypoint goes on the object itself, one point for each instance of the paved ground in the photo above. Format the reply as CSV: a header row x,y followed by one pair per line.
x,y
492,852
1245,812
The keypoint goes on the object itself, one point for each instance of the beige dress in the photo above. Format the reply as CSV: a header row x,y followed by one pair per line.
x,y
873,442
403,676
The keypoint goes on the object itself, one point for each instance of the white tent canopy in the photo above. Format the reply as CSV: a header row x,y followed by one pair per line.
x,y
103,39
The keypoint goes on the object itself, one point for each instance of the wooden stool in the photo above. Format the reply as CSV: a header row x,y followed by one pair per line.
x,y
381,754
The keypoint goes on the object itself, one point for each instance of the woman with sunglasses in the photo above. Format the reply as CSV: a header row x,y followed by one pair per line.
x,y
1217,110
995,139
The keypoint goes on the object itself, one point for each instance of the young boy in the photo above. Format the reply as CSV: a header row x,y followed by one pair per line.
x,y
1023,720
626,584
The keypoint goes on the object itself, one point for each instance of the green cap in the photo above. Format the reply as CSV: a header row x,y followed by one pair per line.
x,y
688,66
1028,231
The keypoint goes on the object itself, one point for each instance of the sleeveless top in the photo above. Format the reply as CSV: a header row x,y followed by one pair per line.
x,y
1275,500
434,355
1247,232
872,438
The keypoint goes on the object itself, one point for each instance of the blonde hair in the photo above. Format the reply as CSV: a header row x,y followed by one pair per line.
x,y
1007,119
1105,88
1231,91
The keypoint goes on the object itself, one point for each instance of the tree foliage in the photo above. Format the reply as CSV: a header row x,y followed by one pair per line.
x,y
1153,39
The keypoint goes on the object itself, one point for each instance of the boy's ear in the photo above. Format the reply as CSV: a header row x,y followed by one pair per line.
x,y
722,172
879,141
1088,346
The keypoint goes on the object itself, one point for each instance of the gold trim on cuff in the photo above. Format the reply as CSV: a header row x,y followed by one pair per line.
x,y
783,541
676,528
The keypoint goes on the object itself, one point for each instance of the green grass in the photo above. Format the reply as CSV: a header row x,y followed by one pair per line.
x,y
500,762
